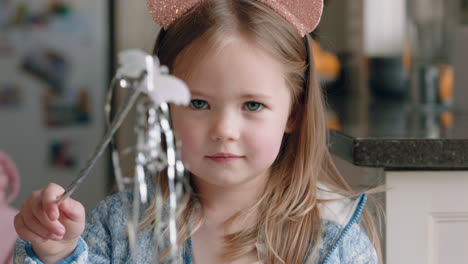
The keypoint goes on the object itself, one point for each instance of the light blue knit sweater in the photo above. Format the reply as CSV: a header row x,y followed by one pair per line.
x,y
105,239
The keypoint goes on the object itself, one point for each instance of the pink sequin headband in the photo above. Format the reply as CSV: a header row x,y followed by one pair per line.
x,y
303,14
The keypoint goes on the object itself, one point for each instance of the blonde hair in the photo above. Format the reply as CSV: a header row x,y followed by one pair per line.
x,y
288,207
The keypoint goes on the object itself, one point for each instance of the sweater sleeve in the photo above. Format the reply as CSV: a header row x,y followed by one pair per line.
x,y
93,247
24,254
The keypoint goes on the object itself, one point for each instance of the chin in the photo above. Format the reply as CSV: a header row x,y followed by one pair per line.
x,y
221,181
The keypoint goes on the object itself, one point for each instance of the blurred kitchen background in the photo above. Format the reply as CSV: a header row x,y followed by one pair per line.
x,y
398,60
54,69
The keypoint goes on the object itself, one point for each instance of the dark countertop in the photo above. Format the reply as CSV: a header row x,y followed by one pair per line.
x,y
394,135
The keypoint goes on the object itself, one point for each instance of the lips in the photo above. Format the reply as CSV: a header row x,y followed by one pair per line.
x,y
224,157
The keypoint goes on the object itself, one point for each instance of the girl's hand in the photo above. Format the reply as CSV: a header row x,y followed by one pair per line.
x,y
53,231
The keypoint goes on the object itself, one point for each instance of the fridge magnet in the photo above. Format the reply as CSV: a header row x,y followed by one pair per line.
x,y
60,8
48,66
11,95
60,111
31,13
63,154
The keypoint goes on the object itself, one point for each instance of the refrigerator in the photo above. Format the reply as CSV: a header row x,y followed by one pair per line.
x,y
54,75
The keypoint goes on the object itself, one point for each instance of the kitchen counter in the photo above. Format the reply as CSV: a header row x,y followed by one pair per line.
x,y
394,135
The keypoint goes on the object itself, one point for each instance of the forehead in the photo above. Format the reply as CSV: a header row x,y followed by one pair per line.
x,y
235,66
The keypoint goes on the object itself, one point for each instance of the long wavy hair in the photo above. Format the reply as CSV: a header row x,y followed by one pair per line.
x,y
288,207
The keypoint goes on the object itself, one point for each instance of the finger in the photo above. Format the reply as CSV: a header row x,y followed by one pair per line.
x,y
25,233
49,200
36,227
34,209
34,224
73,210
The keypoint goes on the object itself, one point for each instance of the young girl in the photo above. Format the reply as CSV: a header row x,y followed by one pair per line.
x,y
265,189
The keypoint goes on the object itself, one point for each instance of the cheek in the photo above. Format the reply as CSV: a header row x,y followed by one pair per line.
x,y
189,143
265,146
188,136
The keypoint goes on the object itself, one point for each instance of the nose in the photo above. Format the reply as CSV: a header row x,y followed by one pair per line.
x,y
225,127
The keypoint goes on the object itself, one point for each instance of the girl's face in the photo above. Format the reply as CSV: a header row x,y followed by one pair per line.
x,y
232,131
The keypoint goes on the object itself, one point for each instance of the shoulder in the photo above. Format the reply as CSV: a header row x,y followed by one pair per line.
x,y
343,240
339,209
348,245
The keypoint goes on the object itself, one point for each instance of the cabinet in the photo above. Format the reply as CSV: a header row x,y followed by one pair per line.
x,y
427,217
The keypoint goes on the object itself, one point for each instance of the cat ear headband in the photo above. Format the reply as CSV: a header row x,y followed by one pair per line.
x,y
303,14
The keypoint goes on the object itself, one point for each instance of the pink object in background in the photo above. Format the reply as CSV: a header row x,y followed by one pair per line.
x,y
9,182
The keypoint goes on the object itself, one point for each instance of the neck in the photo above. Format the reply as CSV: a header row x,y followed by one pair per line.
x,y
220,203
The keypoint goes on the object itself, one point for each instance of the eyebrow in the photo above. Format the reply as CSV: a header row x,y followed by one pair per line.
x,y
256,95
196,93
243,96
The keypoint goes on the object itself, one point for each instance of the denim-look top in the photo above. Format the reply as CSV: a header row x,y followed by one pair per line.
x,y
105,240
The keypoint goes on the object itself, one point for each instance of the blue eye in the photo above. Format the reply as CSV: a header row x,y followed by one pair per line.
x,y
254,106
198,104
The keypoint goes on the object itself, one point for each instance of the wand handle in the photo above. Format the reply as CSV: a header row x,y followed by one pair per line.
x,y
102,146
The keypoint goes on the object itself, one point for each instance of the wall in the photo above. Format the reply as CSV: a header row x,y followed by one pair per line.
x,y
135,29
134,26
